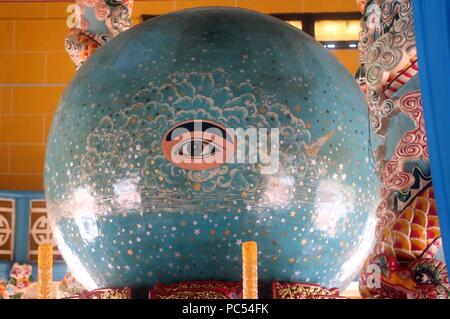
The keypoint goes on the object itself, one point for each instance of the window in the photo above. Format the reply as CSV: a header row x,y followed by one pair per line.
x,y
296,23
337,30
333,30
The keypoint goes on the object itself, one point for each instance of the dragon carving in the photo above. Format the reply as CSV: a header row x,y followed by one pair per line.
x,y
402,263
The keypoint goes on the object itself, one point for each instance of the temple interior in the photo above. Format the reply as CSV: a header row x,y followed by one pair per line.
x,y
125,127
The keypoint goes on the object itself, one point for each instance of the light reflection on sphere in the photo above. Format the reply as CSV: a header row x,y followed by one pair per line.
x,y
123,214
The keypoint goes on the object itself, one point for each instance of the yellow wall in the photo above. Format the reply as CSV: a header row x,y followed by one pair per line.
x,y
34,69
349,58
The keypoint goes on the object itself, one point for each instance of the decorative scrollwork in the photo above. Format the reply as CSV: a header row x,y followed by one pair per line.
x,y
7,219
82,42
405,8
40,231
387,47
5,230
389,11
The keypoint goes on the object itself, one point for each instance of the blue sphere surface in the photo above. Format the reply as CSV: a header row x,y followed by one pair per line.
x,y
126,211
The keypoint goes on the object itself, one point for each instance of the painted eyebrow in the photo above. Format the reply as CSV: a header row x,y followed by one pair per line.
x,y
190,126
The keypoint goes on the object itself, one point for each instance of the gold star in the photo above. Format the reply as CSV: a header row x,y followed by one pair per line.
x,y
304,242
130,252
274,258
226,232
292,213
244,194
298,108
308,125
291,260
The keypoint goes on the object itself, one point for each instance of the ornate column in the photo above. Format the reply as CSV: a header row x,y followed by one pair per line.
x,y
402,264
93,23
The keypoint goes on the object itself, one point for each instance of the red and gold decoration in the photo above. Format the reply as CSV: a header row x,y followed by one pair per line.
x,y
303,291
105,293
212,289
40,231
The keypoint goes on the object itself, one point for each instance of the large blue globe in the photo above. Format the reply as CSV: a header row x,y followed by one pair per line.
x,y
125,212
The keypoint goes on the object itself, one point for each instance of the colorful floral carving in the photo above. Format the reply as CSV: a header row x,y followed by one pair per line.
x,y
69,287
20,275
20,280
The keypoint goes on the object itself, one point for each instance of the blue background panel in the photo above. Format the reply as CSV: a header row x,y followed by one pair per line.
x,y
21,233
432,24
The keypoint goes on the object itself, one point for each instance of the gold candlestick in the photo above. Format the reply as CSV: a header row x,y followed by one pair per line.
x,y
45,270
250,270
